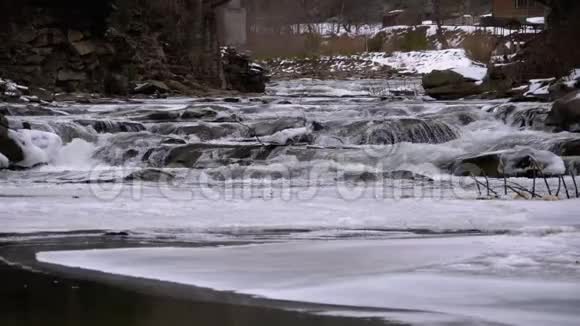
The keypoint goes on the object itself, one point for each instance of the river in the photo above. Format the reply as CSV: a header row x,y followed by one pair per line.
x,y
339,194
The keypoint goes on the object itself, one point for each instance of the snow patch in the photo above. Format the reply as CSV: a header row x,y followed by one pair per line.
x,y
39,147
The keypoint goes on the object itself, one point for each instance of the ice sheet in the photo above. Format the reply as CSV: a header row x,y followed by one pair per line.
x,y
81,207
390,274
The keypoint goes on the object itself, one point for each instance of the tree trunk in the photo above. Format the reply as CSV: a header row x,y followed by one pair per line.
x,y
439,21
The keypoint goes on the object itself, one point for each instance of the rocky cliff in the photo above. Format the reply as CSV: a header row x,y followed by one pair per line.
x,y
109,46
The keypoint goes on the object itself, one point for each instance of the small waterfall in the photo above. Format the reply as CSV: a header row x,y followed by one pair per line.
x,y
68,131
523,116
409,130
112,126
119,149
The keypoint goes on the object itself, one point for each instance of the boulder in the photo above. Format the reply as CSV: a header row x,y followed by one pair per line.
x,y
241,74
565,113
178,87
572,164
438,78
162,116
199,114
8,147
449,85
568,147
84,47
152,87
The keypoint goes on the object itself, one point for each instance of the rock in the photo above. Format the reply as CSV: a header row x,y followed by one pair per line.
x,y
195,155
11,150
42,94
116,84
74,36
179,87
438,78
560,89
407,175
449,85
241,74
34,59
84,47
266,128
70,75
26,35
8,147
199,114
183,156
572,164
4,126
570,147
517,162
152,87
130,154
208,131
116,234
173,141
565,113
162,116
150,175
49,36
394,175
232,100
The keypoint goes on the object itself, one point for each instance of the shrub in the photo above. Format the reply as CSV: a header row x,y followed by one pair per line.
x,y
377,43
414,40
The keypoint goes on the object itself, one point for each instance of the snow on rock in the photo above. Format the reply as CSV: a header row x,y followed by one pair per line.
x,y
288,136
4,162
9,88
39,147
474,72
514,162
536,20
539,87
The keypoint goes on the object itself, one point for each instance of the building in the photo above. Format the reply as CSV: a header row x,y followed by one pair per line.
x,y
517,10
401,17
232,23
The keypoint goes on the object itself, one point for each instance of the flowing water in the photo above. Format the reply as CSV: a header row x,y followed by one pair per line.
x,y
310,161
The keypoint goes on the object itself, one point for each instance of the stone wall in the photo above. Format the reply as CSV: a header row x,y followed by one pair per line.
x,y
107,46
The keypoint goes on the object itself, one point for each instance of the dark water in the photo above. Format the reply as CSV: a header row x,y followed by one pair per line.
x,y
48,295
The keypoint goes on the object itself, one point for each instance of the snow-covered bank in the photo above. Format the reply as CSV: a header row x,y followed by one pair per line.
x,y
424,62
379,64
415,274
